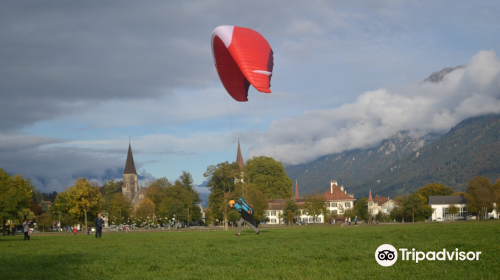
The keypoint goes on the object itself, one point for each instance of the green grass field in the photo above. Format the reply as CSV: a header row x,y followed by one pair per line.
x,y
298,252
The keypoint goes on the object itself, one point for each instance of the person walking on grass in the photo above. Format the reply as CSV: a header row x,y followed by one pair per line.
x,y
246,215
356,221
74,230
26,229
98,225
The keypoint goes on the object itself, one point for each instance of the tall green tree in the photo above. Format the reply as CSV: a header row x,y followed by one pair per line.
x,y
361,209
434,189
480,195
291,209
259,203
221,183
15,195
119,209
269,176
38,199
315,205
181,201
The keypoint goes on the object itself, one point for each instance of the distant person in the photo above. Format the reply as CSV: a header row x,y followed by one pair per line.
x,y
74,230
345,221
88,230
373,219
26,229
349,221
356,221
246,215
98,225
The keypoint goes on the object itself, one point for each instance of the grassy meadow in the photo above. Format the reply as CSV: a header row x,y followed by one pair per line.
x,y
297,252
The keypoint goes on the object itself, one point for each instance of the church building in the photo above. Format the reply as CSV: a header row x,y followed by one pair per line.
x,y
130,187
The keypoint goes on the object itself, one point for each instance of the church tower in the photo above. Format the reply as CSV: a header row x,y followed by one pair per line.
x,y
241,164
130,186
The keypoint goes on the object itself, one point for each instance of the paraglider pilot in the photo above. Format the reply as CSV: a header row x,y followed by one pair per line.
x,y
246,215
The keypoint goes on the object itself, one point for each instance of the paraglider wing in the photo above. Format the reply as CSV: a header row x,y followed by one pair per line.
x,y
242,57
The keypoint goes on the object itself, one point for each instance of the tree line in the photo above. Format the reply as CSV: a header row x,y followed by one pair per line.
x,y
80,203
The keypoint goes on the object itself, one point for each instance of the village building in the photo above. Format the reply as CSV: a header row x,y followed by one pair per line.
x,y
379,204
337,202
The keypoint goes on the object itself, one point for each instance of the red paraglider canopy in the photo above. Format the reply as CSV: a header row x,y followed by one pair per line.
x,y
242,57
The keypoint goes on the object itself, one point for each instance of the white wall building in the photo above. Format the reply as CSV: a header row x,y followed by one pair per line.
x,y
337,201
441,204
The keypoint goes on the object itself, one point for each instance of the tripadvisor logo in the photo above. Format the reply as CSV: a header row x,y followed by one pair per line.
x,y
387,255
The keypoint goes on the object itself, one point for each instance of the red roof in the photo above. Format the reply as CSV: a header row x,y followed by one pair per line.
x,y
334,194
370,196
380,200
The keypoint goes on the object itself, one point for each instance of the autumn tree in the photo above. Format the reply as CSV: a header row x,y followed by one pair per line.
x,y
45,220
315,205
83,198
39,202
15,195
269,176
413,206
434,189
145,209
480,195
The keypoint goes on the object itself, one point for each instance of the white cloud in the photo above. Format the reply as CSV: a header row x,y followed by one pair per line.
x,y
377,115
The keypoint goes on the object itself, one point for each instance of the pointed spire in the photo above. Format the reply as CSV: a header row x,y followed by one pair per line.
x,y
370,196
239,158
130,165
297,190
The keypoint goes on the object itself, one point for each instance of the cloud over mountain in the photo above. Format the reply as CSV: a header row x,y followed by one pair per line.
x,y
419,108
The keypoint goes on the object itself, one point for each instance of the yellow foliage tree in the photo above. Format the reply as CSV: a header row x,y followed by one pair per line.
x,y
84,198
145,210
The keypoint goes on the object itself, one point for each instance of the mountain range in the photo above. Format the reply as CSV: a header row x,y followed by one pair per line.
x,y
403,164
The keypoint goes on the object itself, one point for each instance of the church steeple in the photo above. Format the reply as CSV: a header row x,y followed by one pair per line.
x,y
130,165
297,190
370,196
239,158
130,186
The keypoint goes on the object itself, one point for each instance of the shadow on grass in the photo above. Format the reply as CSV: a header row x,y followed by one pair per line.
x,y
46,266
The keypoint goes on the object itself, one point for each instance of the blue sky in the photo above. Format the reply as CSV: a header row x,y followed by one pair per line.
x,y
79,78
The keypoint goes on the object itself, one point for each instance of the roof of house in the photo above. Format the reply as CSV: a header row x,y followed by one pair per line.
x,y
380,200
130,165
447,199
279,204
335,194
